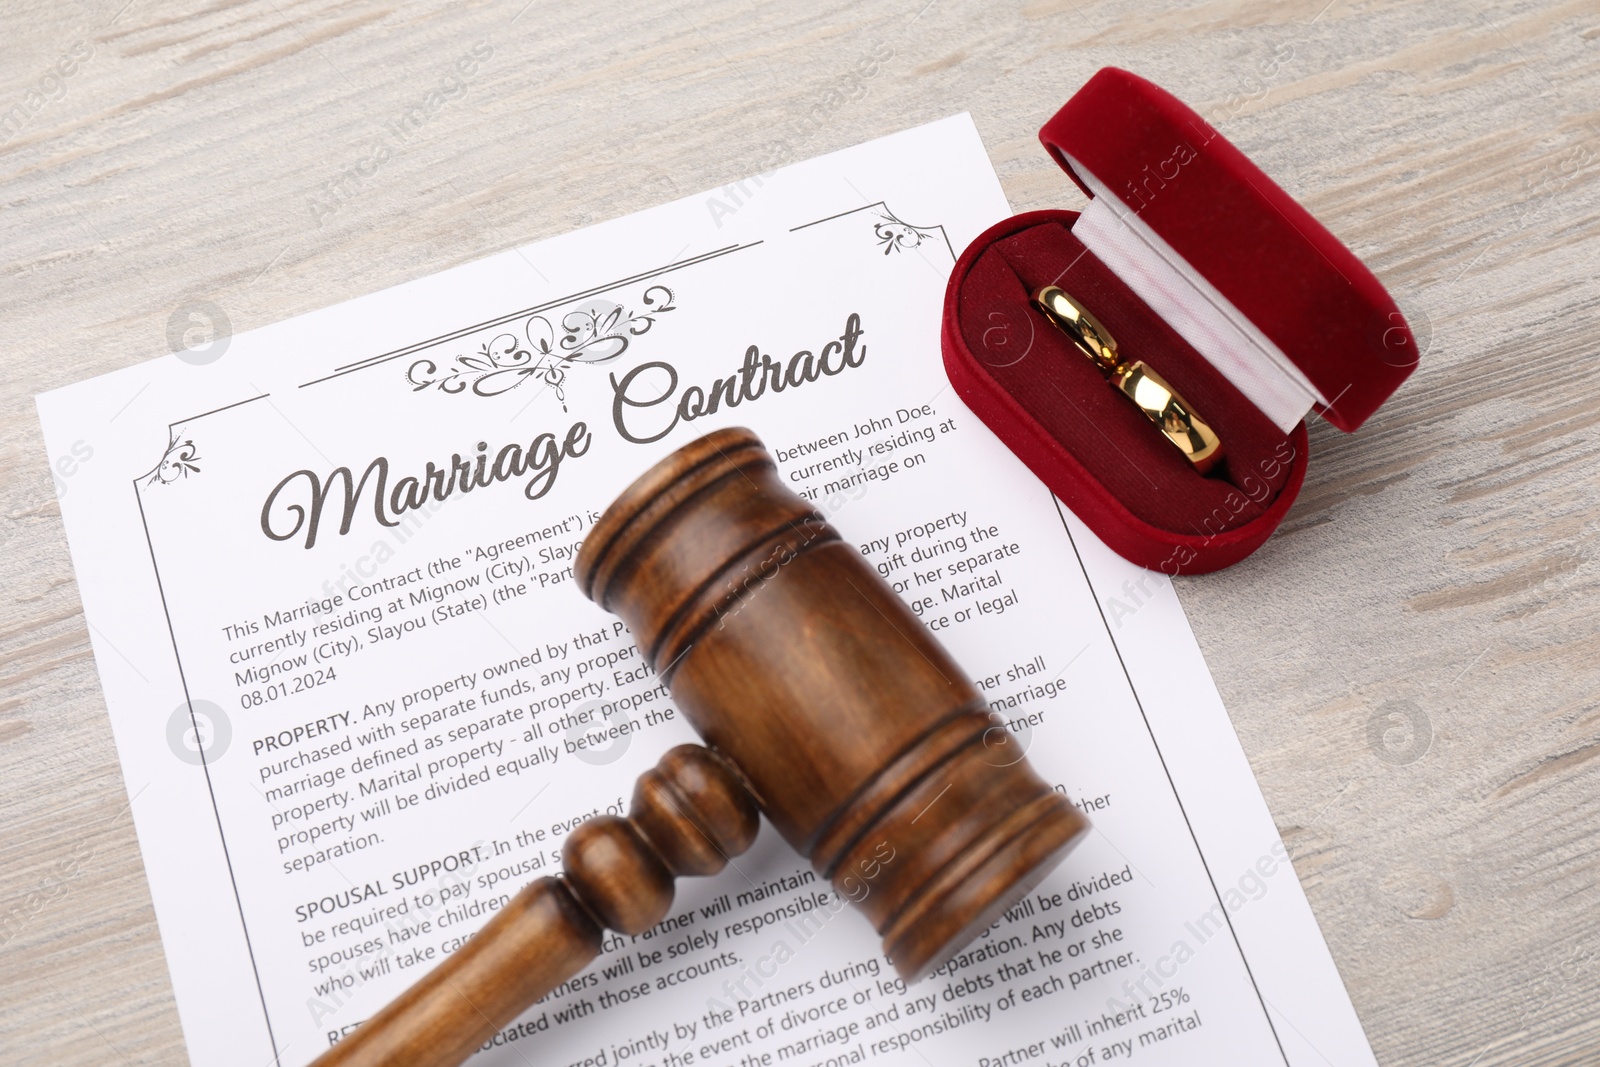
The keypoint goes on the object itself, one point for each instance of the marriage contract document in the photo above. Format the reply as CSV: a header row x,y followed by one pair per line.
x,y
359,702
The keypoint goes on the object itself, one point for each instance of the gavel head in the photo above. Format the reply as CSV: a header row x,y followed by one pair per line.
x,y
861,740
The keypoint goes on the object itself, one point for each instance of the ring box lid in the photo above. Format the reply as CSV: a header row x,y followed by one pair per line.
x,y
1232,225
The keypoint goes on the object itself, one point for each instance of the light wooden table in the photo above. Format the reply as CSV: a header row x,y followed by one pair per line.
x,y
1411,663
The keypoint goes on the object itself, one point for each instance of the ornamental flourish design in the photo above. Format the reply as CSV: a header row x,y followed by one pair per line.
x,y
179,461
898,236
596,331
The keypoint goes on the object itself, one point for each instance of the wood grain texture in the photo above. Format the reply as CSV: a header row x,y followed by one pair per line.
x,y
1437,568
776,638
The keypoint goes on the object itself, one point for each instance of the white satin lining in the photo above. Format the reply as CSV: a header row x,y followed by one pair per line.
x,y
1193,307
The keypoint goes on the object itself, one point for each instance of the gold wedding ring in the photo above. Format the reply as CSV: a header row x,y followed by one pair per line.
x,y
1160,403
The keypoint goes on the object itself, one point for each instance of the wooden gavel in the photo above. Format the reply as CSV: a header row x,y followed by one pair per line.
x,y
824,704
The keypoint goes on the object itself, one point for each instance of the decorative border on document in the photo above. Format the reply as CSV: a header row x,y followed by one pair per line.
x,y
891,232
1161,756
179,461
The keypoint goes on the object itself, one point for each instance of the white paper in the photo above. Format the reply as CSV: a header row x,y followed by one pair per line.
x,y
1179,911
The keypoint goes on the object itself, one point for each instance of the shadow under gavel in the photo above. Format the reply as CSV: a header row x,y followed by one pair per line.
x,y
824,703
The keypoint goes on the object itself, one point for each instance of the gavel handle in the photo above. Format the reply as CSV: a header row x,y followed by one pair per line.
x,y
537,940
690,813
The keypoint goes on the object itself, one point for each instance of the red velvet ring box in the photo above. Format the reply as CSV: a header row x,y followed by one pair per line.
x,y
1199,265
